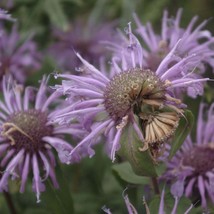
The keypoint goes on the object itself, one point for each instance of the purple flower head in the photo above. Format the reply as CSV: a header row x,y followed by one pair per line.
x,y
193,165
158,45
28,137
131,98
17,57
81,37
131,209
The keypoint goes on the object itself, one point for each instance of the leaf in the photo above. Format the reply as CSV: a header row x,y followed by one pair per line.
x,y
35,211
96,14
55,11
169,202
184,128
125,172
58,201
128,7
141,162
78,2
154,204
152,13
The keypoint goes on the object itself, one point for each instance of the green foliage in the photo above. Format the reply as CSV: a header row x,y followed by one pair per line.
x,y
124,171
152,10
169,202
185,126
55,12
141,162
58,201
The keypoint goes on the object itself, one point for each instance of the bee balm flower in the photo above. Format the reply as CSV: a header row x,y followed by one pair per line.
x,y
132,97
17,58
193,164
159,45
194,41
28,136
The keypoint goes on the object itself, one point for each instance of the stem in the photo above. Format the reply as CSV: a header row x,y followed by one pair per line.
x,y
155,185
10,203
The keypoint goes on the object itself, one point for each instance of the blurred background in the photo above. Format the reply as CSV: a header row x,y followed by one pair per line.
x,y
58,28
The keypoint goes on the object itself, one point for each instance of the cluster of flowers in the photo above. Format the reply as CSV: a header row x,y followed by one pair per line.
x,y
141,92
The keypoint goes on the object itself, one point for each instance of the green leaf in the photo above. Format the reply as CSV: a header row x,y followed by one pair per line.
x,y
141,162
36,211
184,128
77,2
169,202
125,172
56,14
152,13
128,7
96,14
154,204
58,201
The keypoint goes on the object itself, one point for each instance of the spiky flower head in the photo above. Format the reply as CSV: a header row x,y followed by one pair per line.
x,y
192,168
158,45
193,42
82,37
18,57
131,98
28,139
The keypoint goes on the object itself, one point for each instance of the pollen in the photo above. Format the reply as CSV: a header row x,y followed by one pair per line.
x,y
25,129
130,90
200,158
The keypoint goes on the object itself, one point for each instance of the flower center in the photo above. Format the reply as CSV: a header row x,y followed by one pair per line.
x,y
25,129
201,158
130,90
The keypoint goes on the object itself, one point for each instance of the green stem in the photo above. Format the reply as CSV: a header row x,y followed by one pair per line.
x,y
9,202
155,185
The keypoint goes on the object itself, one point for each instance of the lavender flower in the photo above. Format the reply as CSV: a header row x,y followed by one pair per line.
x,y
17,57
153,58
28,136
131,209
193,164
83,38
132,97
159,45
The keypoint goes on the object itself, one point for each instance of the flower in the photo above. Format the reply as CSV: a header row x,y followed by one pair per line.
x,y
82,37
17,57
132,210
192,42
193,165
158,45
28,137
131,98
